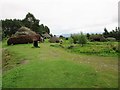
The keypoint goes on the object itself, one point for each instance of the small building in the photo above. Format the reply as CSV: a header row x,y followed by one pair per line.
x,y
54,40
97,38
111,39
22,36
46,36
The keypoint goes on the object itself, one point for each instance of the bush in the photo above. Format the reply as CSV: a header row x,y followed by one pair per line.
x,y
91,49
79,38
66,38
75,38
71,40
70,47
82,39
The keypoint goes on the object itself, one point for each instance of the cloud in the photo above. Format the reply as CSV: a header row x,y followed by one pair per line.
x,y
65,16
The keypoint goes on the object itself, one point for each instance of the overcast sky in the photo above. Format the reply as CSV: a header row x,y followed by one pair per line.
x,y
65,16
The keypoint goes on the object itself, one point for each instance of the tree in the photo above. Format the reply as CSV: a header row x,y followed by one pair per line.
x,y
114,33
79,38
71,40
88,35
106,33
82,39
75,38
31,22
41,29
61,36
10,26
118,28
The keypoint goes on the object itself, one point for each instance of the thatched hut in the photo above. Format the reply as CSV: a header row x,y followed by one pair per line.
x,y
97,38
24,31
24,35
111,39
46,36
54,40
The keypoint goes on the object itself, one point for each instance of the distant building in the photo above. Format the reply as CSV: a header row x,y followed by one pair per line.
x,y
111,39
46,36
97,38
54,39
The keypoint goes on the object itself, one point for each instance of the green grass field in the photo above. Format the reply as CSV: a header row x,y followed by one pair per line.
x,y
51,67
92,48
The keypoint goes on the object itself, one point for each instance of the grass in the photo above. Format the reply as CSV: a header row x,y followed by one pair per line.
x,y
51,67
52,74
93,48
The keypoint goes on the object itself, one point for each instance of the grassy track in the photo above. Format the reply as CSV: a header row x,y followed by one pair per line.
x,y
52,67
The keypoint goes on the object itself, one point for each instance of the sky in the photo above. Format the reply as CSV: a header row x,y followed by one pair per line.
x,y
65,16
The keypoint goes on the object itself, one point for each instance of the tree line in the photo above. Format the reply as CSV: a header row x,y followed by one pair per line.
x,y
114,33
82,39
10,26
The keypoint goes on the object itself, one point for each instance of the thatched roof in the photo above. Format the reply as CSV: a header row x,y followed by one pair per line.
x,y
54,40
24,31
24,35
111,39
97,38
46,35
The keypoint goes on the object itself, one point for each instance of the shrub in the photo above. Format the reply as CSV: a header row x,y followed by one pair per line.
x,y
70,47
79,38
82,39
66,38
70,40
75,38
61,36
115,48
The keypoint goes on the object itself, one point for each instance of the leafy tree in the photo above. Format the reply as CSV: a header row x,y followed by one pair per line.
x,y
88,35
31,22
61,36
10,26
79,38
114,33
71,40
75,38
82,39
106,33
47,29
41,29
